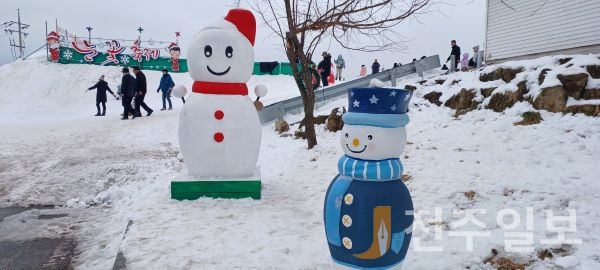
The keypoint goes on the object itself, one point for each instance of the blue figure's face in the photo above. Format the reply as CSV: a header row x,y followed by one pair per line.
x,y
373,143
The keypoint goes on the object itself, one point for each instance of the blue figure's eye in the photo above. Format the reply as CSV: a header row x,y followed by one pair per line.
x,y
208,50
346,135
370,137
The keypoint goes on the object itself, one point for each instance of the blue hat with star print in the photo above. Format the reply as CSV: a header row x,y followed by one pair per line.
x,y
378,107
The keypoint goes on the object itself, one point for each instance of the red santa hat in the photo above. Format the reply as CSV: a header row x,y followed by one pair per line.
x,y
244,21
52,36
173,46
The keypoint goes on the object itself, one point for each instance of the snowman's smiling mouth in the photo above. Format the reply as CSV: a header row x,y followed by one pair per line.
x,y
356,152
218,73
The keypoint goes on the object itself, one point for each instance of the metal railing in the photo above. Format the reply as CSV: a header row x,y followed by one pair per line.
x,y
279,109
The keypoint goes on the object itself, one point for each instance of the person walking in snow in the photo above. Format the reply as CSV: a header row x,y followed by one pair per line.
x,y
101,87
464,63
324,68
477,59
375,67
456,52
363,70
141,89
128,90
340,64
166,85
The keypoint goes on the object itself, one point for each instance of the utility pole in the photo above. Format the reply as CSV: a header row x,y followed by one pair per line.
x,y
20,33
89,33
9,29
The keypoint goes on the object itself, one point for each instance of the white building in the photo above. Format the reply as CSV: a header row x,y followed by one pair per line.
x,y
519,29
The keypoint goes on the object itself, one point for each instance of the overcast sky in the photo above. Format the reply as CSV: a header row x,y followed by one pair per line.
x,y
463,20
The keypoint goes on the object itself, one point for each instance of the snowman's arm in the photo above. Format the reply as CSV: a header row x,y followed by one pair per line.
x,y
332,214
260,90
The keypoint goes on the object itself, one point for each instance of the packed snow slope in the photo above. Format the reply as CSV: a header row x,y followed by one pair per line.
x,y
110,172
36,89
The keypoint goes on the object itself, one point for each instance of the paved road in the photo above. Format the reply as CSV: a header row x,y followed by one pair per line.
x,y
25,243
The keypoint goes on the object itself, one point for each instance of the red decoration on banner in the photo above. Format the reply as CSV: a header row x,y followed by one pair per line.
x,y
175,52
86,48
146,53
114,48
53,40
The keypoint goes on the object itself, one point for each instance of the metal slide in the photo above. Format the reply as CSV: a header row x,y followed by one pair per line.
x,y
278,110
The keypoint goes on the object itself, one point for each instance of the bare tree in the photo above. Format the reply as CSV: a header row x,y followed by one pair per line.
x,y
362,25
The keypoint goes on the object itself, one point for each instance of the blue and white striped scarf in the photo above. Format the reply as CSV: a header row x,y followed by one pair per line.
x,y
370,170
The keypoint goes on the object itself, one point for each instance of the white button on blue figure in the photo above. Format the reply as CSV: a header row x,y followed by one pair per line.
x,y
366,219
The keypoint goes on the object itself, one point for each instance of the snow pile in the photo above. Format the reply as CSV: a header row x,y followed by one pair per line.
x,y
107,172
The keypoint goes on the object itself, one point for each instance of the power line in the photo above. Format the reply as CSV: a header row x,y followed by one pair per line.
x,y
11,28
12,49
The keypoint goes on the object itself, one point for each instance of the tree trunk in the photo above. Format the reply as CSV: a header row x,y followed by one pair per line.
x,y
309,128
295,52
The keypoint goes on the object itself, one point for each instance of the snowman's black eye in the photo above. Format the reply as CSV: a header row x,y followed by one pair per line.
x,y
346,135
229,51
370,137
208,50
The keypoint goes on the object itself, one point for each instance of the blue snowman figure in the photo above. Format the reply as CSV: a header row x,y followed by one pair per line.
x,y
368,209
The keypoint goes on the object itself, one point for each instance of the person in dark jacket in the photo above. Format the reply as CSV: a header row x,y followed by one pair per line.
x,y
127,92
325,68
375,67
166,84
456,52
141,89
101,87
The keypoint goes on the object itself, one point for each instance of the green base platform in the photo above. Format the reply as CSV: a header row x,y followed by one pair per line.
x,y
227,189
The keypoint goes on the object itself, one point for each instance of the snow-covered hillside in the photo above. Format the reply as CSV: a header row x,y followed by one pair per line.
x,y
105,173
35,89
561,83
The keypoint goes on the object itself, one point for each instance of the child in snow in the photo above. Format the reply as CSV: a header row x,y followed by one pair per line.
x,y
101,87
477,58
340,64
464,63
363,70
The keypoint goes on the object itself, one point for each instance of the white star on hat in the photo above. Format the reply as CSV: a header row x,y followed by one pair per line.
x,y
374,99
356,103
394,108
407,97
393,94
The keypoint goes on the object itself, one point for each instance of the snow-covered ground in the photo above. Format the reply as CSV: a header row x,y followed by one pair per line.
x,y
107,172
37,90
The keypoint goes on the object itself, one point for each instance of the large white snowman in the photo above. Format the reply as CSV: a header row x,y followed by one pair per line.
x,y
219,128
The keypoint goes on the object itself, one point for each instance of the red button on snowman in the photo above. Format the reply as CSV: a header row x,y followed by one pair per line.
x,y
219,128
